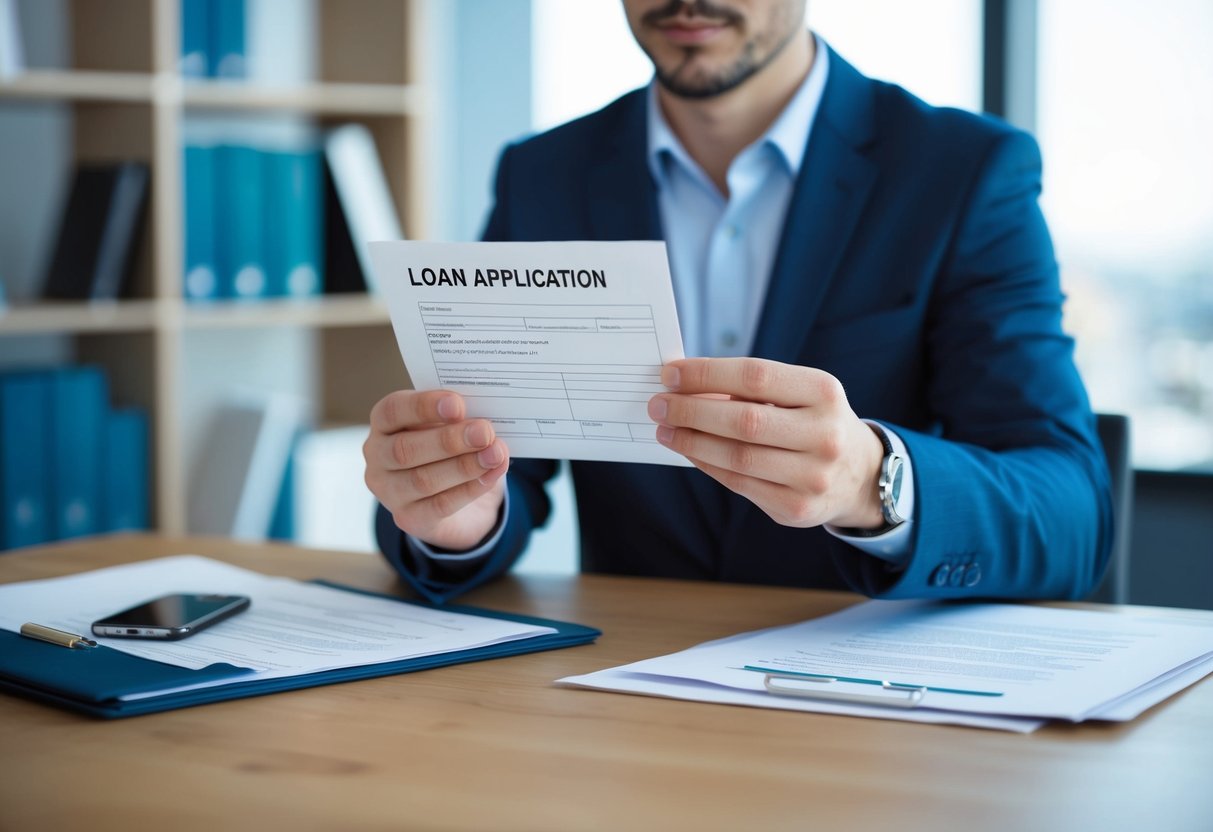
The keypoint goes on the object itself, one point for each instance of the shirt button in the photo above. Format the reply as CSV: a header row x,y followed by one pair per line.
x,y
728,339
731,231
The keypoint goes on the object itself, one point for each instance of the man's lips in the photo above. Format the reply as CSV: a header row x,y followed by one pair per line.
x,y
691,31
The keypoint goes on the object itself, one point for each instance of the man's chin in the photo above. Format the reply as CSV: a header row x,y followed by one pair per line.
x,y
698,88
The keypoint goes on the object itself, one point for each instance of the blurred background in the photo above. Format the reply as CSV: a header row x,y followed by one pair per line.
x,y
184,186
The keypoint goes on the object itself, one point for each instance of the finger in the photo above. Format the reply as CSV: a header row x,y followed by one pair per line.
x,y
426,481
771,464
409,409
797,429
782,504
753,379
413,448
452,500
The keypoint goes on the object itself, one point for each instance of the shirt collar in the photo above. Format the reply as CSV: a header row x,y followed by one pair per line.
x,y
788,134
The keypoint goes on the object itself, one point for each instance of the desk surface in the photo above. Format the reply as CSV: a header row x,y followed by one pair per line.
x,y
494,745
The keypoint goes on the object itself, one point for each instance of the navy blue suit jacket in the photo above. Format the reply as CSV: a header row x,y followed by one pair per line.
x,y
916,267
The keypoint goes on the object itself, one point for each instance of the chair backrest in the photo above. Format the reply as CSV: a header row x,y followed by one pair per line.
x,y
1114,435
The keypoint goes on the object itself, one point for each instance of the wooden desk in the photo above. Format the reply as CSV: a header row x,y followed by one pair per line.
x,y
495,745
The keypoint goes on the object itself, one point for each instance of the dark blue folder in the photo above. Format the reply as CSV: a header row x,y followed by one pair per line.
x,y
92,680
79,409
25,487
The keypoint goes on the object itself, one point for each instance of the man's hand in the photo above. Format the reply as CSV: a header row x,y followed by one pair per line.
x,y
440,474
781,435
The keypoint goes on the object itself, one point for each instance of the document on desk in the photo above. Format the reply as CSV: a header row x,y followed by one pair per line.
x,y
292,627
560,345
991,665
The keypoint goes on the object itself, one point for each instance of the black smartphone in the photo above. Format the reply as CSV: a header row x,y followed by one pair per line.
x,y
171,617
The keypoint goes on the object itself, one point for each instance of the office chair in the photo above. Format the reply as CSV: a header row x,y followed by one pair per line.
x,y
1114,436
1172,539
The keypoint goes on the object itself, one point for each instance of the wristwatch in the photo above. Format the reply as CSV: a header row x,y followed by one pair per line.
x,y
892,474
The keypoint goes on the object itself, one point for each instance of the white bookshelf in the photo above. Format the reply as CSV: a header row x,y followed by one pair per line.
x,y
127,100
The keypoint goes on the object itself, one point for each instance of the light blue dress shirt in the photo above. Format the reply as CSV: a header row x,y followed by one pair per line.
x,y
722,249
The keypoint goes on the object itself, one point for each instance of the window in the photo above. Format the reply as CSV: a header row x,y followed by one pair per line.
x,y
1124,121
930,47
584,58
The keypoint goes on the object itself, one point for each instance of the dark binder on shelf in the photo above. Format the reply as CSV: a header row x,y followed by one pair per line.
x,y
342,271
358,208
93,680
98,232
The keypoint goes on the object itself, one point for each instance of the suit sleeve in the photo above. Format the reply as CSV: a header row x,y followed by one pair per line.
x,y
1012,492
528,502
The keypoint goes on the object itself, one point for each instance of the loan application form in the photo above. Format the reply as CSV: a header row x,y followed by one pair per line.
x,y
559,345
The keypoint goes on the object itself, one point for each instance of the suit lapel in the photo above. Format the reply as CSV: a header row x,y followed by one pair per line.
x,y
623,206
833,186
623,199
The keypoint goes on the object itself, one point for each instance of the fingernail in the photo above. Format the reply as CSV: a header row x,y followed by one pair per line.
x,y
448,408
490,457
658,409
477,435
665,434
671,377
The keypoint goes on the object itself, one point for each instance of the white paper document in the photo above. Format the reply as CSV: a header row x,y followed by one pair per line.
x,y
992,665
291,627
560,345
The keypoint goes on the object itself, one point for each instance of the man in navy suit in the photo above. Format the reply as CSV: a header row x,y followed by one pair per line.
x,y
869,289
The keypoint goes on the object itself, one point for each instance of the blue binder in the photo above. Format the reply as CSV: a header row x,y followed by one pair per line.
x,y
240,222
24,460
294,228
228,37
201,280
125,496
195,38
92,680
79,405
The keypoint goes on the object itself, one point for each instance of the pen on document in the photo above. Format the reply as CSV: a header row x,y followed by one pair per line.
x,y
60,637
822,677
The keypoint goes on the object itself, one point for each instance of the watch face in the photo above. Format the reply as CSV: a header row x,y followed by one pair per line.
x,y
890,488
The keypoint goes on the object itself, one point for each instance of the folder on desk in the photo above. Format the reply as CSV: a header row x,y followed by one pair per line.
x,y
106,682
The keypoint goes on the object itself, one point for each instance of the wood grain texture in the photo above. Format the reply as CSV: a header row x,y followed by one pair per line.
x,y
494,745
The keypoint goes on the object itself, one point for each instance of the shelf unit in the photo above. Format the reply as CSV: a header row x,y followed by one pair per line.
x,y
127,100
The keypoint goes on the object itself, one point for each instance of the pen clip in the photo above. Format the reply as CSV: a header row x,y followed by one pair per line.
x,y
52,636
802,686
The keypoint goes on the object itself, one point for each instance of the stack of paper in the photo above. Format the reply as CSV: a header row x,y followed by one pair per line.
x,y
1004,666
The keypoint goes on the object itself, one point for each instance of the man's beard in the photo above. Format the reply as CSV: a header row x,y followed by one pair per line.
x,y
702,86
709,86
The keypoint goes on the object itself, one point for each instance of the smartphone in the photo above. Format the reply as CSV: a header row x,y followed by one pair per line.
x,y
171,617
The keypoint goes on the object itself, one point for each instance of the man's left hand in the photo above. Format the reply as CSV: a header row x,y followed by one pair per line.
x,y
781,435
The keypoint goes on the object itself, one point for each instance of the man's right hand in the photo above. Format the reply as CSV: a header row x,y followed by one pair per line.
x,y
441,475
